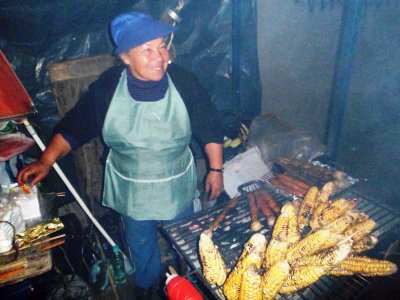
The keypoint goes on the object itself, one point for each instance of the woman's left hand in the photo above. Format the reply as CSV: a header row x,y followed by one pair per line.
x,y
214,184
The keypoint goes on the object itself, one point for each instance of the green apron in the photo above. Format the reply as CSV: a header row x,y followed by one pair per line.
x,y
150,172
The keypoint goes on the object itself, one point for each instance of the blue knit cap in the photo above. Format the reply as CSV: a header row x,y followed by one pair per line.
x,y
132,29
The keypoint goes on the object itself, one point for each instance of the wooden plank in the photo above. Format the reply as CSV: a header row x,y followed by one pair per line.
x,y
15,265
36,264
90,66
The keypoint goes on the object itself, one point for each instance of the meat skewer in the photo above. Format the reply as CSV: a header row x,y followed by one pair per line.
x,y
232,203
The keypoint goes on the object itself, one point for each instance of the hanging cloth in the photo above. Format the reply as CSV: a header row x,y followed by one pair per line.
x,y
150,172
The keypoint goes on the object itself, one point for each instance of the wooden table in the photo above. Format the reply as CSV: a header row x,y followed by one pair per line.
x,y
26,266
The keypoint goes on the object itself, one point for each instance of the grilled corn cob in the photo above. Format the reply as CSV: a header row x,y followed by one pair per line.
x,y
273,279
364,244
231,287
342,223
326,191
253,253
296,204
360,230
250,288
361,216
322,202
367,266
317,215
293,234
281,224
327,258
286,225
335,210
340,272
256,244
302,277
275,252
336,255
214,268
311,244
307,208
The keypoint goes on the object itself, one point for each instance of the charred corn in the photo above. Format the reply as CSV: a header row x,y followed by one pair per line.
x,y
281,226
334,240
275,252
317,215
273,279
311,244
214,268
335,210
360,230
335,255
256,244
296,204
301,277
231,287
367,266
340,272
322,200
250,288
293,234
342,223
326,191
253,253
327,258
307,260
361,216
367,243
307,208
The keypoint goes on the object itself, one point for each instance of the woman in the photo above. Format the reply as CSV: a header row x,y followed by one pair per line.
x,y
146,112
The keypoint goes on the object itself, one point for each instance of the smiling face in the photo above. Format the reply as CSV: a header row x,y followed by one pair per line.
x,y
148,61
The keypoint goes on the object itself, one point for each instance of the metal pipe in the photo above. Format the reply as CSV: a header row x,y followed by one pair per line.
x,y
236,49
353,11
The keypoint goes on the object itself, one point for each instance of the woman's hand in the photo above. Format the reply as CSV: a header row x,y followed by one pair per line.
x,y
34,172
215,180
214,184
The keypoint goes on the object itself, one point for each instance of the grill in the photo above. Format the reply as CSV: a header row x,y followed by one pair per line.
x,y
234,231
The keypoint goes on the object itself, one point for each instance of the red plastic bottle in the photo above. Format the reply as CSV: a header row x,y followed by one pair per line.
x,y
179,288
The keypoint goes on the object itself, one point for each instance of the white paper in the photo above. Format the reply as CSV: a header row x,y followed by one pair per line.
x,y
243,168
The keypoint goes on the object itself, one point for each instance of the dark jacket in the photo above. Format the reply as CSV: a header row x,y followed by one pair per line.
x,y
85,120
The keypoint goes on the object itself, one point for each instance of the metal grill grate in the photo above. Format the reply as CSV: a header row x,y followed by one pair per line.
x,y
234,231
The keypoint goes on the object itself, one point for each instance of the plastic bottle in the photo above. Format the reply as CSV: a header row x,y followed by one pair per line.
x,y
179,288
117,263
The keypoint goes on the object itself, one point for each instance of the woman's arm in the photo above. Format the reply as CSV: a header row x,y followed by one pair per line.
x,y
215,180
35,172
